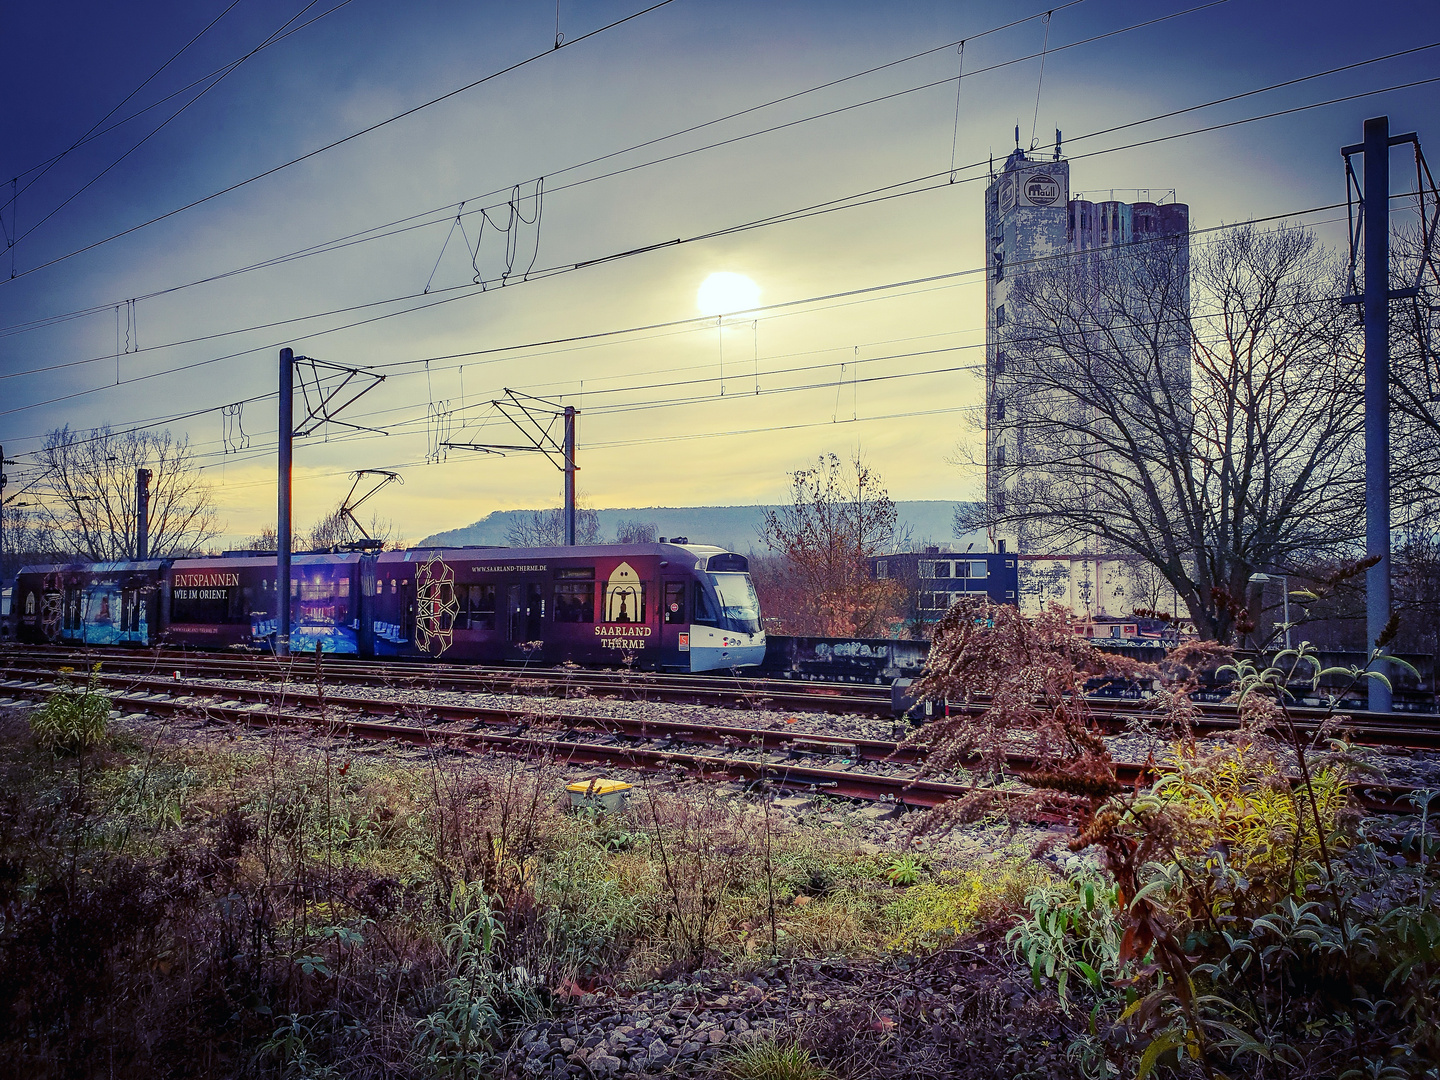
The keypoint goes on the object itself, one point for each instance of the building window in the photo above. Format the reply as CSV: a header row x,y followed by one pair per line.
x,y
1000,408
881,569
1000,455
1000,315
1000,266
999,361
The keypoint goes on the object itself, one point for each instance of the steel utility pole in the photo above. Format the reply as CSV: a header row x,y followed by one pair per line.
x,y
569,475
1377,391
560,452
282,515
142,514
1374,228
3,479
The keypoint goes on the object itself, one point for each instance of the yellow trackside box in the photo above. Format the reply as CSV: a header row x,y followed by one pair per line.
x,y
599,793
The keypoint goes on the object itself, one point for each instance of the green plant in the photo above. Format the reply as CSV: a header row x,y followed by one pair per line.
x,y
932,914
1073,928
770,1059
297,1045
73,719
905,870
457,1039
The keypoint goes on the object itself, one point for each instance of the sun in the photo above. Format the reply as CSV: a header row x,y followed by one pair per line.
x,y
724,293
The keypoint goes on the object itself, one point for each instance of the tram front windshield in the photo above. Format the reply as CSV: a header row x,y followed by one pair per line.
x,y
739,606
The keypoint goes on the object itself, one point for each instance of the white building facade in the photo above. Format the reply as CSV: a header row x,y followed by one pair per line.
x,y
1033,224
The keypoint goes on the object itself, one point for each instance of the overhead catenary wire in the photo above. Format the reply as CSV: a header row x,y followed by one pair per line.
x,y
788,304
364,235
867,198
704,320
339,142
275,35
976,164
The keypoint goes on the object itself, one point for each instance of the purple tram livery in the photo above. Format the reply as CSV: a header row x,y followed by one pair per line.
x,y
672,607
664,606
109,603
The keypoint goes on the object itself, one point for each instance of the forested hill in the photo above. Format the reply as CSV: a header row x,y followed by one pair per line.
x,y
734,527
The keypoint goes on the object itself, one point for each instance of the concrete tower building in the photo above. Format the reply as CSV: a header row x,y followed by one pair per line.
x,y
1033,225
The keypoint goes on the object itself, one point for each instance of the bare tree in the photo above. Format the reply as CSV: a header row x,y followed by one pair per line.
x,y
268,539
1415,384
92,477
636,532
337,530
546,528
839,516
26,540
1239,452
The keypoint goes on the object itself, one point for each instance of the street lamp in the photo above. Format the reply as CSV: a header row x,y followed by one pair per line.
x,y
1263,579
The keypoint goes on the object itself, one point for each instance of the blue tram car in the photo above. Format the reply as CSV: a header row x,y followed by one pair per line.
x,y
661,606
109,603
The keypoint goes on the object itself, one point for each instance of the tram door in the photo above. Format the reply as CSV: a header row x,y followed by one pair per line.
x,y
526,606
674,626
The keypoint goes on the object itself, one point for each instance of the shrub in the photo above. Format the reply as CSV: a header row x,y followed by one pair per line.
x,y
933,914
1073,927
770,1059
73,719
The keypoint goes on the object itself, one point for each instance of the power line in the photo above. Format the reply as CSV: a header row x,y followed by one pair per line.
x,y
840,382
416,221
341,141
796,214
376,232
45,166
95,134
695,320
161,126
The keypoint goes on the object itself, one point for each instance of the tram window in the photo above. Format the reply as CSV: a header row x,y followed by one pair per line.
x,y
575,601
674,602
575,573
704,610
478,611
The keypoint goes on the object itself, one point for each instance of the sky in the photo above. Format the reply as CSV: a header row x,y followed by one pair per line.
x,y
593,189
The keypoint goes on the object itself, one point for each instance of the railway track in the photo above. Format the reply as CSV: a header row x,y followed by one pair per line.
x,y
858,768
726,690
1413,731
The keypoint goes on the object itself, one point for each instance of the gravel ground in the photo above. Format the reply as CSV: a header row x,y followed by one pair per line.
x,y
1396,765
1420,768
968,1012
867,828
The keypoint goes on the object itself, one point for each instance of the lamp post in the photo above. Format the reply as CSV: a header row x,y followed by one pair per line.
x,y
1284,579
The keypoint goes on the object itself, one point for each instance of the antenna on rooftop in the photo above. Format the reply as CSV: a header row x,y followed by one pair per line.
x,y
1057,144
1017,136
